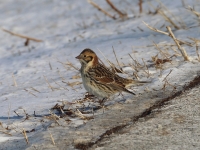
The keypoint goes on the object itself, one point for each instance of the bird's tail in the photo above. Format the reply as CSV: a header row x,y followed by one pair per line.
x,y
134,82
127,91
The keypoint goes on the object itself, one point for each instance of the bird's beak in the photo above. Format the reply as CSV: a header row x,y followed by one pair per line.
x,y
78,57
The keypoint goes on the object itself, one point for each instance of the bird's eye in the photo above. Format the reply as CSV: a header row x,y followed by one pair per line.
x,y
84,55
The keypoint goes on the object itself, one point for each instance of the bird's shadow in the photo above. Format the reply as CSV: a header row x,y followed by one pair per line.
x,y
13,117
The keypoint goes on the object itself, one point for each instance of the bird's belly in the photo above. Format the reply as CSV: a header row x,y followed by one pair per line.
x,y
93,88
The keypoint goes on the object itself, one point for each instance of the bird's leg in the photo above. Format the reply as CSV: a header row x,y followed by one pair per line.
x,y
121,95
101,102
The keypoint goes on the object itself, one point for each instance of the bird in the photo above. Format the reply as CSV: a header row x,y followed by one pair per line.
x,y
98,80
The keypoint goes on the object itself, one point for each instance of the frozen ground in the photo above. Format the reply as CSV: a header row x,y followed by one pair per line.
x,y
176,126
66,28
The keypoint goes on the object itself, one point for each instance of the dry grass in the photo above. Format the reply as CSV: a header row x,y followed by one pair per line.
x,y
101,9
14,80
121,14
25,136
52,139
5,132
24,37
170,34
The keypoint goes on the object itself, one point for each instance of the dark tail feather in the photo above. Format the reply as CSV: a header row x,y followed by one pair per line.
x,y
125,90
143,81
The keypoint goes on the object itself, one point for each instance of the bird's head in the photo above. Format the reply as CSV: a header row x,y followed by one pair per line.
x,y
88,57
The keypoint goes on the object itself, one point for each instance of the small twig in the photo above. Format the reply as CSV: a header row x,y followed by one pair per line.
x,y
15,83
134,66
140,29
197,51
154,29
30,92
168,19
60,85
159,31
170,34
167,75
50,66
100,9
146,68
72,84
183,3
110,63
167,83
5,132
25,136
55,117
27,116
26,42
80,115
182,50
140,5
115,9
180,21
9,111
52,139
193,11
35,89
116,58
48,83
69,64
158,48
197,46
22,36
16,113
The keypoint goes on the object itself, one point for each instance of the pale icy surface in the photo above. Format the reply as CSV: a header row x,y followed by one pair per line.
x,y
66,28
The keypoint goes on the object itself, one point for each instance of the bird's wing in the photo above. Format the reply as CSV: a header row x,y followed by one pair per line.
x,y
103,75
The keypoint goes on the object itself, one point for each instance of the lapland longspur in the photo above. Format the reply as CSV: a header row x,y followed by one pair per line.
x,y
98,80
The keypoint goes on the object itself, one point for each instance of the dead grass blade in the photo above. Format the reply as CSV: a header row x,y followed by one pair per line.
x,y
30,92
52,139
147,72
69,64
197,51
110,63
122,15
80,115
25,136
100,9
154,29
116,58
197,46
167,75
5,132
54,117
22,36
72,84
48,83
15,83
170,34
140,5
35,89
193,11
182,50
159,61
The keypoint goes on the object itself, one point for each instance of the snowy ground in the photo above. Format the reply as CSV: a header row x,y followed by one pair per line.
x,y
66,28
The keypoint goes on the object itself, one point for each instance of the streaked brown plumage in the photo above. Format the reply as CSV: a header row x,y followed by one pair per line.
x,y
98,79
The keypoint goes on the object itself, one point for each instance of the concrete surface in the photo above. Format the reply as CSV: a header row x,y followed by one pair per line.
x,y
175,126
